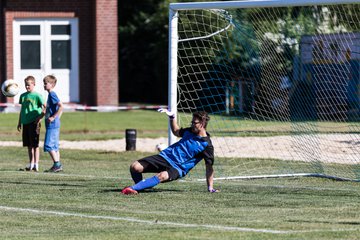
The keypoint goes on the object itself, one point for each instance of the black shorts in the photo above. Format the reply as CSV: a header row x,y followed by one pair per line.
x,y
156,164
30,135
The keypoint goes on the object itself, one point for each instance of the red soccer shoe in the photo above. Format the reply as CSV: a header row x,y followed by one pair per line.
x,y
129,191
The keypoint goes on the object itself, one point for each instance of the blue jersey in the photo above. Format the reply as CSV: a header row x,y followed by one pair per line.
x,y
51,108
188,151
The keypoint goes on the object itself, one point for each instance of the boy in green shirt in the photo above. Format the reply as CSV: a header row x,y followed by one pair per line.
x,y
31,113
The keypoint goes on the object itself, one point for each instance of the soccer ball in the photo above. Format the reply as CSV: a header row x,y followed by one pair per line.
x,y
10,88
160,147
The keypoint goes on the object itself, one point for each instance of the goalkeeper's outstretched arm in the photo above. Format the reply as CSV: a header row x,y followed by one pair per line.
x,y
174,127
210,178
173,123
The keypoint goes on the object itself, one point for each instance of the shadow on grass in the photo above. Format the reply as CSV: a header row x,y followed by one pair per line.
x,y
146,191
42,183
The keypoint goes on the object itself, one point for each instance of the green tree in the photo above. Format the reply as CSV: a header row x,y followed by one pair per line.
x,y
143,41
143,31
143,50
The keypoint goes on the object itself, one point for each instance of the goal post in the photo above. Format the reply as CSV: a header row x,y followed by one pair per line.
x,y
280,80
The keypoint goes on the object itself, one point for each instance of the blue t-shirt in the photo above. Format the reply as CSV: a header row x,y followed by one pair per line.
x,y
188,151
51,108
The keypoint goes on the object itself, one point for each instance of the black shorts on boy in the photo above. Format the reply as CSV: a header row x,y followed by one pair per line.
x,y
30,135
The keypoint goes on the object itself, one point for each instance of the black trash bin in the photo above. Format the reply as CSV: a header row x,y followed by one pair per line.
x,y
130,135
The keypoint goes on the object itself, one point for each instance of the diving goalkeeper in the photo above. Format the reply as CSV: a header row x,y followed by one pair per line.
x,y
178,159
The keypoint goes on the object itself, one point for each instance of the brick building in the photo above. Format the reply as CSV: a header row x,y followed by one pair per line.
x,y
76,41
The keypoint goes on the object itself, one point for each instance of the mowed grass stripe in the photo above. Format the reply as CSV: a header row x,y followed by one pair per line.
x,y
66,175
195,181
188,180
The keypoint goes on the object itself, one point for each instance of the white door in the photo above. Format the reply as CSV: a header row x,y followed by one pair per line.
x,y
47,46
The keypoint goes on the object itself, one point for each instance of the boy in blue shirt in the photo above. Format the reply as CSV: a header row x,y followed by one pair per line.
x,y
53,113
178,159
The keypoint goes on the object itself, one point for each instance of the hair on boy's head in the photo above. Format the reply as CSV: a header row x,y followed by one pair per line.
x,y
203,117
29,79
50,79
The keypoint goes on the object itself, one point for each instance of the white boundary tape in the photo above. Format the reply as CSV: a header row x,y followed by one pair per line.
x,y
79,107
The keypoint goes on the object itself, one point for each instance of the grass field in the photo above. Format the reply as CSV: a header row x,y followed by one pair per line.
x,y
94,125
111,125
84,202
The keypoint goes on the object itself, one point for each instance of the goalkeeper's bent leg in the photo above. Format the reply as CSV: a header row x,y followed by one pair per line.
x,y
146,183
136,176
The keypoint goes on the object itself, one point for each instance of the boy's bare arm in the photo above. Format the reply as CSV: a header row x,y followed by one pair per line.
x,y
43,107
57,113
60,110
19,123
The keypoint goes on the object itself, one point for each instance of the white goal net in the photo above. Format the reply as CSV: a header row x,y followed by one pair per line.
x,y
280,80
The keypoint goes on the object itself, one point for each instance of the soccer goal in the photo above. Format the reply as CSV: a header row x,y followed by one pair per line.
x,y
280,79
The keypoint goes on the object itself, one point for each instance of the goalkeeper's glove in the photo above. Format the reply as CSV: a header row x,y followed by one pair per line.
x,y
169,113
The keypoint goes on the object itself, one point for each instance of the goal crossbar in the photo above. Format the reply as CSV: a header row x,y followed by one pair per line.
x,y
255,3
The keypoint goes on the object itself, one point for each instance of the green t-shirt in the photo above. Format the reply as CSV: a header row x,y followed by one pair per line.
x,y
31,106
